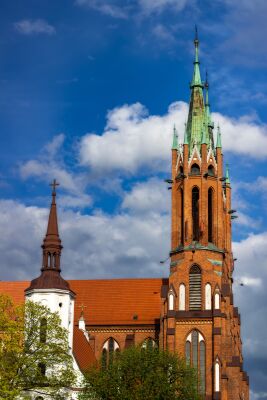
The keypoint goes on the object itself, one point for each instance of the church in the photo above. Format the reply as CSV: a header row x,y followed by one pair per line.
x,y
191,311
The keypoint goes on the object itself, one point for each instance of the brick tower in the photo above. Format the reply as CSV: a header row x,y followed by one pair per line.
x,y
199,319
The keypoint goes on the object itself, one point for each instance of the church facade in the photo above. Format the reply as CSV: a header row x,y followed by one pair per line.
x,y
192,311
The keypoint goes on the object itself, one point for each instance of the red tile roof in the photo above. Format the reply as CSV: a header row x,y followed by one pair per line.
x,y
82,350
108,301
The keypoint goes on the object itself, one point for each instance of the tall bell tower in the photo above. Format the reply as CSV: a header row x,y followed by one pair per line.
x,y
200,320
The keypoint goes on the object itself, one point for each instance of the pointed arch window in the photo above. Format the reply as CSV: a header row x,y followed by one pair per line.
x,y
211,171
208,296
182,297
217,376
210,215
149,344
110,348
217,305
195,213
171,301
195,288
195,170
195,354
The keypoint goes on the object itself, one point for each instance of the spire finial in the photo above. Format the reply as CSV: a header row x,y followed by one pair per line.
x,y
219,137
196,41
175,139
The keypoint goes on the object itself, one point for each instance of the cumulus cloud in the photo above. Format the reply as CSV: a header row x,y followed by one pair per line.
x,y
49,165
109,8
152,6
133,139
36,26
95,246
149,196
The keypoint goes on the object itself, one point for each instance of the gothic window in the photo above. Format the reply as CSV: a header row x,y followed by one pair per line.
x,y
195,354
149,344
208,296
211,170
210,215
195,170
217,376
217,300
182,215
110,347
195,288
43,330
171,301
182,297
195,213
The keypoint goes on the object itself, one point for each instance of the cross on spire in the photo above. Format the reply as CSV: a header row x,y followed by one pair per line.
x,y
54,184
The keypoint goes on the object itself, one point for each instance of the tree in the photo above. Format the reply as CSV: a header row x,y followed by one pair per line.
x,y
138,374
34,352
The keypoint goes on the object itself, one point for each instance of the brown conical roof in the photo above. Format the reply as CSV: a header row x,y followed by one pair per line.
x,y
50,277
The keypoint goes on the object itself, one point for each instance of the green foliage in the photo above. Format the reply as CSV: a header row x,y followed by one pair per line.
x,y
32,342
138,374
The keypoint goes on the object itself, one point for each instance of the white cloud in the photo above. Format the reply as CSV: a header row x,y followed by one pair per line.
x,y
49,165
30,27
133,140
151,6
105,7
243,135
95,246
149,196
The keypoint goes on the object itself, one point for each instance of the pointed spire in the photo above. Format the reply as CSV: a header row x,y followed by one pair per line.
x,y
219,138
175,139
196,81
52,226
185,134
227,175
50,277
196,115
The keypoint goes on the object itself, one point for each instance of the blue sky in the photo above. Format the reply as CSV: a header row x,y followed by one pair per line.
x,y
89,92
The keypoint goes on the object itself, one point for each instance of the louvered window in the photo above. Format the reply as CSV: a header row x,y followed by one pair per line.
x,y
195,288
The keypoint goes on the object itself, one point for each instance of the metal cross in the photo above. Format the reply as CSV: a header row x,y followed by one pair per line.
x,y
54,184
82,306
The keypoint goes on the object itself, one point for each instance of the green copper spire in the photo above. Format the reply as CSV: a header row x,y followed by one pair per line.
x,y
219,138
185,134
175,139
209,123
227,175
196,115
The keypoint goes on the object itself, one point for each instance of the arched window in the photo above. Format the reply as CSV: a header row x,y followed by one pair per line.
x,y
217,376
211,170
109,348
210,215
39,398
182,215
43,330
54,260
182,297
49,261
195,213
195,170
171,301
208,296
195,288
195,354
217,299
149,344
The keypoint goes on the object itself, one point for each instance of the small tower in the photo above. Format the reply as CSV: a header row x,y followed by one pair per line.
x,y
50,289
